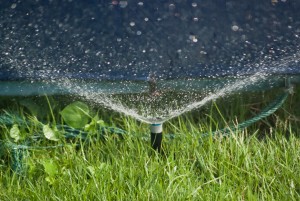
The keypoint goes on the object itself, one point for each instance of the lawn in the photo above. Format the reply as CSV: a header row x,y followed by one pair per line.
x,y
257,163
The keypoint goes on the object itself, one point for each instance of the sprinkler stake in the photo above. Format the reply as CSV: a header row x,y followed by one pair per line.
x,y
156,136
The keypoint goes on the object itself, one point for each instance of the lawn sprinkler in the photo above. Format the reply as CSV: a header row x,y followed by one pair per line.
x,y
156,136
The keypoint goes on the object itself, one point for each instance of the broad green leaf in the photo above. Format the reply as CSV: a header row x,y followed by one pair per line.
x,y
101,123
51,168
15,133
49,133
88,127
94,124
76,114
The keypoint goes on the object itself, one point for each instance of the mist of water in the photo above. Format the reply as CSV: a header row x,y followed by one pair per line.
x,y
161,107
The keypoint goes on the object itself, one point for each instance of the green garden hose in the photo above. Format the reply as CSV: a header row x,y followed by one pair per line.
x,y
270,109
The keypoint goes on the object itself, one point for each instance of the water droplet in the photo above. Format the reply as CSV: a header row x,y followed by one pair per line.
x,y
193,38
119,39
146,19
235,28
194,4
123,4
132,24
140,3
138,33
195,19
13,6
171,6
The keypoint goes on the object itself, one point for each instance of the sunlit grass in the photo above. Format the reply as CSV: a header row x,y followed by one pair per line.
x,y
236,168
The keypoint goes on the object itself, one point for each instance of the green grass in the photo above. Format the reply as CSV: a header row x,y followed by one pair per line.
x,y
259,163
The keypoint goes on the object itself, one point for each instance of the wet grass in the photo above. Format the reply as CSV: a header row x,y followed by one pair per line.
x,y
259,163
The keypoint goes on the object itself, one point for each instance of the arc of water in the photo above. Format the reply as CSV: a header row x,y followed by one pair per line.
x,y
101,98
106,101
238,85
262,73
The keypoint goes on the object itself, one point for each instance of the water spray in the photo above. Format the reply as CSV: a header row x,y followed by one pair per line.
x,y
156,136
